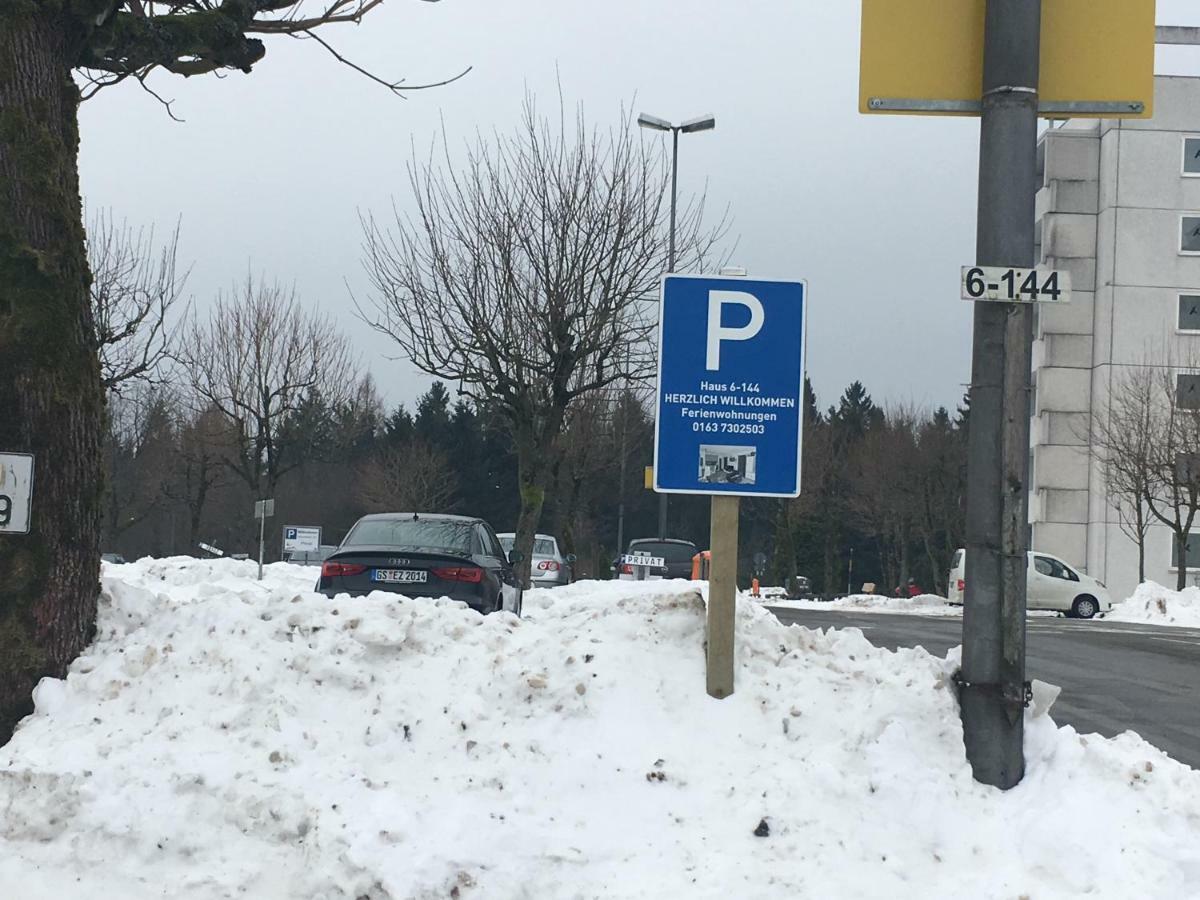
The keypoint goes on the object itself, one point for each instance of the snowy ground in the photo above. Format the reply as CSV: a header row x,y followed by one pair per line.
x,y
229,738
1153,604
921,605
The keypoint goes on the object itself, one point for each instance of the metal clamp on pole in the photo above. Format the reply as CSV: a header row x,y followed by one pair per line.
x,y
1009,89
1011,698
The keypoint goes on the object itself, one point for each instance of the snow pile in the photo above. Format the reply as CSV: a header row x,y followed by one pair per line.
x,y
225,737
1153,604
922,604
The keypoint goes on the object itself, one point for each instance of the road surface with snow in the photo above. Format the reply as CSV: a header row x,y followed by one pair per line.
x,y
1114,676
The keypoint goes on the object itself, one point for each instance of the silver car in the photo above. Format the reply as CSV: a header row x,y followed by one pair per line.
x,y
549,567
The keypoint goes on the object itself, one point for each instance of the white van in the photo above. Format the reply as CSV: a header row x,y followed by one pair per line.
x,y
1050,584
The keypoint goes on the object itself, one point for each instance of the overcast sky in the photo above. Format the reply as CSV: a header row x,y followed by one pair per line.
x,y
269,170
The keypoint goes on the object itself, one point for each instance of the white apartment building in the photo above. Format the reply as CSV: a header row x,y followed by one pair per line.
x,y
1119,208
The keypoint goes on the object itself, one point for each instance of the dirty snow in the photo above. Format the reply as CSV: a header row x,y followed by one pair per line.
x,y
230,738
1153,604
921,605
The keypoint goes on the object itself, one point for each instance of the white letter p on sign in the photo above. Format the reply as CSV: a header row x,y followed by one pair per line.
x,y
716,334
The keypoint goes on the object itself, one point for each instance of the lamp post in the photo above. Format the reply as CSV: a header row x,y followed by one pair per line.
x,y
702,123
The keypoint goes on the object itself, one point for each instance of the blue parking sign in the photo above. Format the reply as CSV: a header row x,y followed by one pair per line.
x,y
730,406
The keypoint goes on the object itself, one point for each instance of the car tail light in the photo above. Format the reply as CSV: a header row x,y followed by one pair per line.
x,y
626,569
460,573
962,584
341,570
548,565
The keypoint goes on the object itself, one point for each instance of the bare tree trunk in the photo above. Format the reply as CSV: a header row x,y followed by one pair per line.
x,y
50,398
1181,572
1141,544
934,565
532,478
784,563
831,579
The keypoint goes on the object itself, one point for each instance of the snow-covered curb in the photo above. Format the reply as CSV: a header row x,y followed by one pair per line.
x,y
1153,604
921,605
226,737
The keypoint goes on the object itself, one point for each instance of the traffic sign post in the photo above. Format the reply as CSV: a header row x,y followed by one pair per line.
x,y
729,414
1008,61
263,509
992,686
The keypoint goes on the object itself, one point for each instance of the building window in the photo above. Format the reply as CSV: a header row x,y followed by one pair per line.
x,y
1189,312
1187,391
1192,553
1189,235
1191,157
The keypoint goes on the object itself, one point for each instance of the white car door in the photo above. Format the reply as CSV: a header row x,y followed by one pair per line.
x,y
1057,585
1037,586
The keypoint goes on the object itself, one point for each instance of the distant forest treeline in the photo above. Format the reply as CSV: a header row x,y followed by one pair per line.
x,y
884,488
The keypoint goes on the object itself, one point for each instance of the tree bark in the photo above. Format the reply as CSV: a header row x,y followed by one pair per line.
x,y
1141,545
534,470
51,402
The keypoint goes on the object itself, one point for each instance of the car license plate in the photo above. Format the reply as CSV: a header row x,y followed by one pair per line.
x,y
401,576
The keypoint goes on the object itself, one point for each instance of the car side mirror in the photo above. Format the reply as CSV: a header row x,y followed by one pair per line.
x,y
515,556
571,557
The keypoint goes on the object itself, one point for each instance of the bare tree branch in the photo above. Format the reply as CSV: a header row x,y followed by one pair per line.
x,y
257,359
136,286
198,37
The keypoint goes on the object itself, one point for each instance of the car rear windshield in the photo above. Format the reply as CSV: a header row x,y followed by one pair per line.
x,y
413,534
672,553
541,546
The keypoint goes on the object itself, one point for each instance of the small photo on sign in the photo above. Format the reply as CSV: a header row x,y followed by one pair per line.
x,y
722,464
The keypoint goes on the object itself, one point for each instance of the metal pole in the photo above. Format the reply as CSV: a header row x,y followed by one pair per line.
x,y
662,498
622,410
992,681
262,531
722,595
674,195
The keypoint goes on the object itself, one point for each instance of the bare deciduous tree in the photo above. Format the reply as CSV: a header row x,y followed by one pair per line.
x,y
199,471
51,395
528,275
256,359
411,477
1121,441
135,285
1149,442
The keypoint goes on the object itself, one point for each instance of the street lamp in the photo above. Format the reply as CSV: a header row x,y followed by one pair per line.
x,y
654,123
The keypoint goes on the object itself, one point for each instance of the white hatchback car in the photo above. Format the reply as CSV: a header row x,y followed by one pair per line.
x,y
1050,584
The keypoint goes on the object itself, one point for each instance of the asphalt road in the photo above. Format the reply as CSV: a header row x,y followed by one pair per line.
x,y
1115,677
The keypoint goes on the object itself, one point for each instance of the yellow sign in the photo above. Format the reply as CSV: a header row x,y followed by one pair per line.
x,y
926,57
648,477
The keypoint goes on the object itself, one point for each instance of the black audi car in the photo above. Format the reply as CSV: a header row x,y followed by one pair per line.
x,y
424,555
